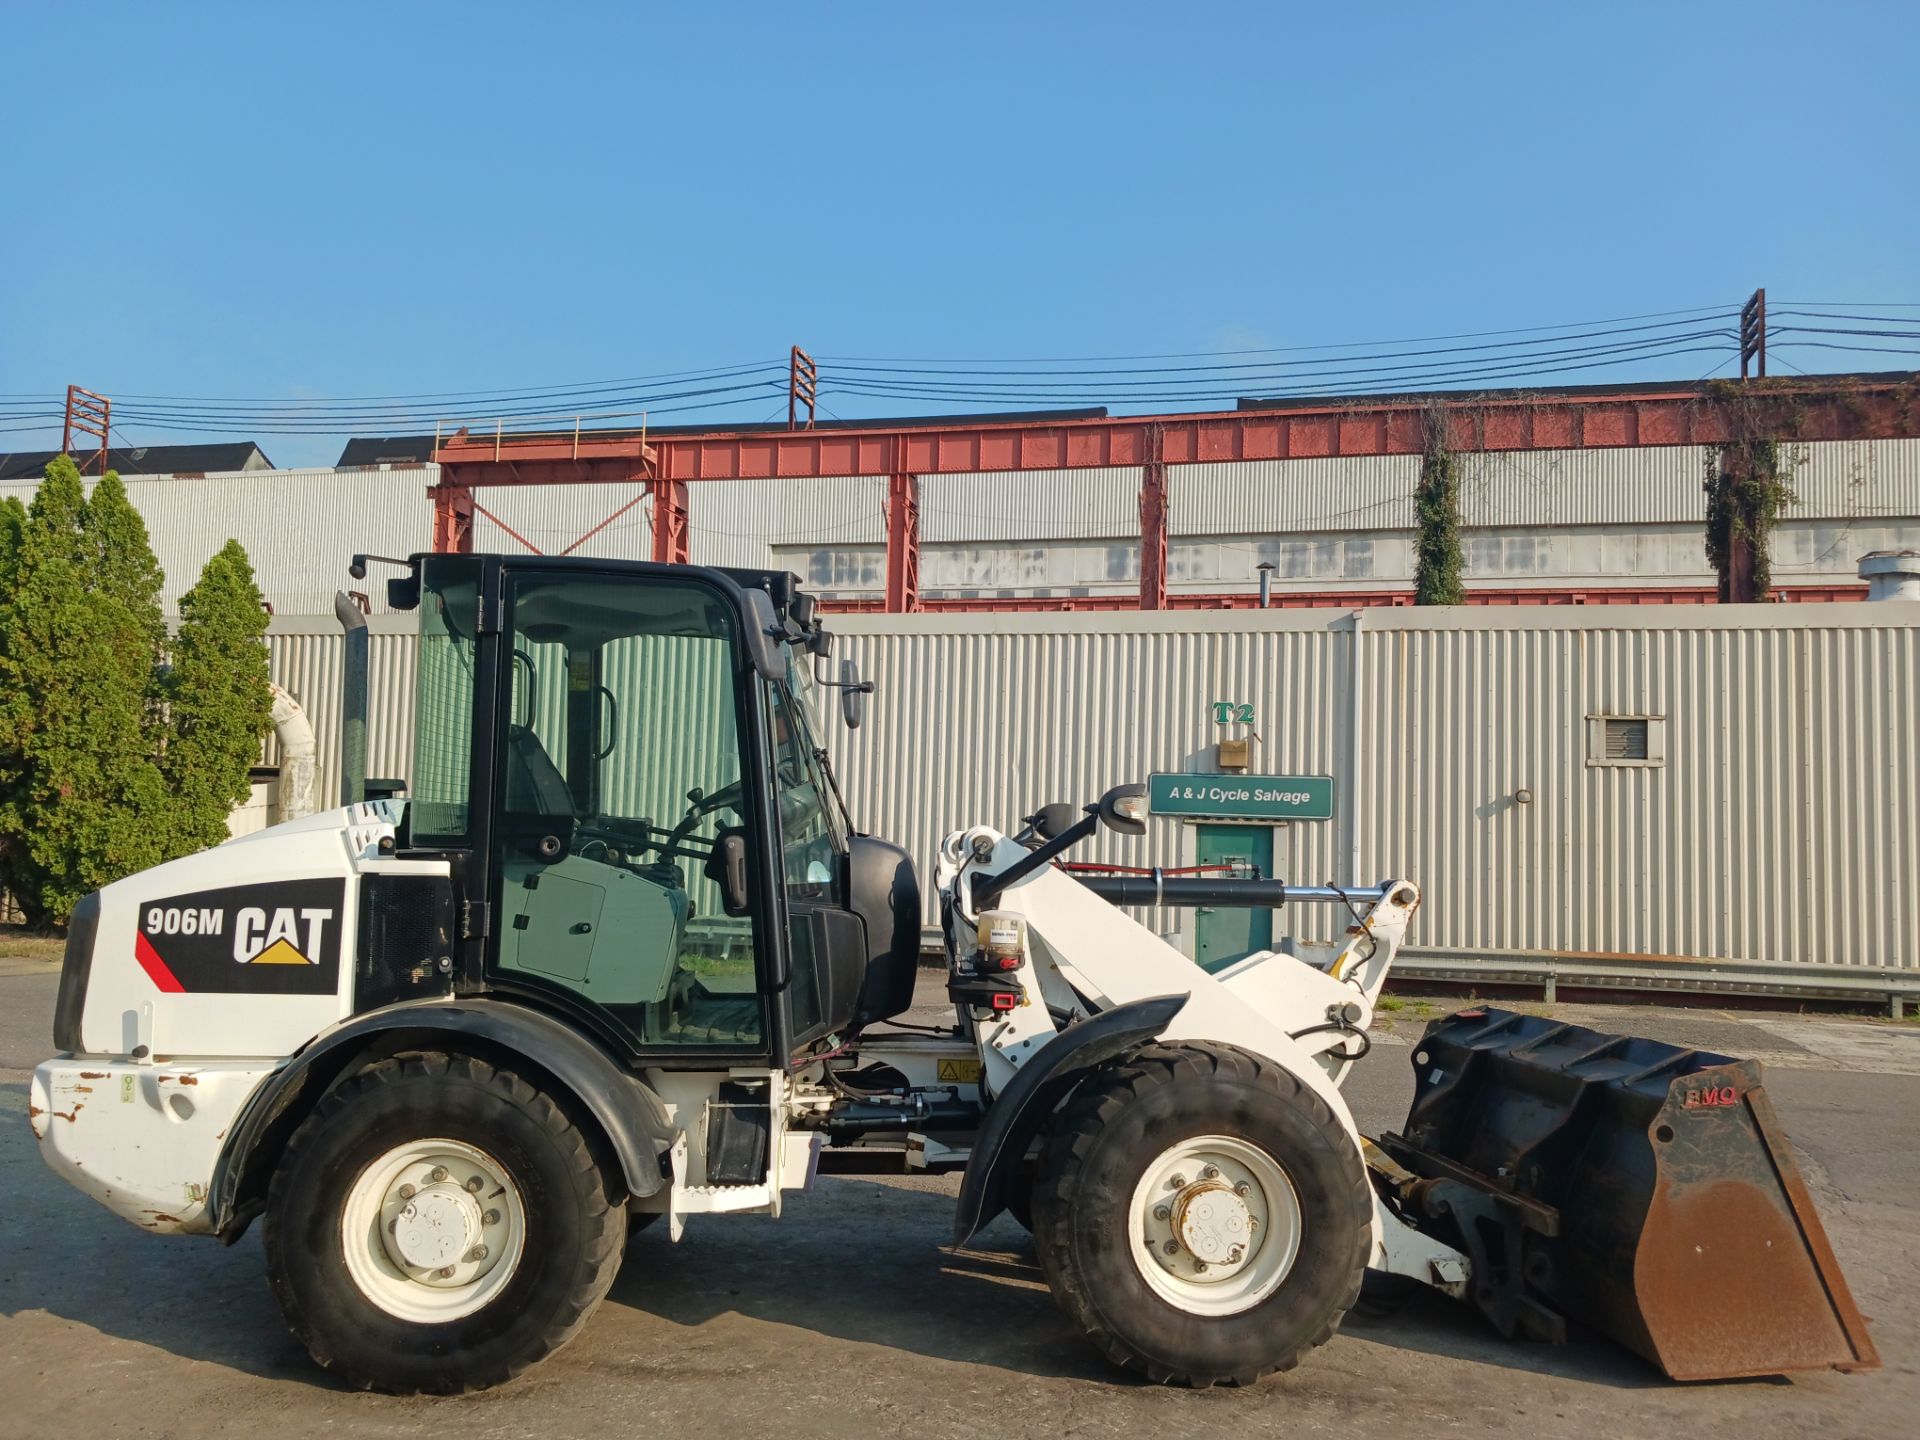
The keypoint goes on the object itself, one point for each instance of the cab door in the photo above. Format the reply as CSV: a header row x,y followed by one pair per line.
x,y
628,748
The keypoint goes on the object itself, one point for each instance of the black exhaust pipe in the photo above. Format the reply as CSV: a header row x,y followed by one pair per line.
x,y
353,700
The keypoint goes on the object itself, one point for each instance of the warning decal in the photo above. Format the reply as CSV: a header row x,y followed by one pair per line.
x,y
280,939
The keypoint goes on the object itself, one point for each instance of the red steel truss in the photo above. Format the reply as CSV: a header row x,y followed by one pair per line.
x,y
1810,408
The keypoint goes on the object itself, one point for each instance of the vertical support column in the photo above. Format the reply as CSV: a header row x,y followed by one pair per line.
x,y
1153,525
452,519
1736,581
671,530
903,544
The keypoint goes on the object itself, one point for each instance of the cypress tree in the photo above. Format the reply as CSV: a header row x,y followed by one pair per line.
x,y
83,802
219,706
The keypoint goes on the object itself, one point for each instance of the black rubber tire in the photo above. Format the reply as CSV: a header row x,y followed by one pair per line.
x,y
576,1226
1115,1125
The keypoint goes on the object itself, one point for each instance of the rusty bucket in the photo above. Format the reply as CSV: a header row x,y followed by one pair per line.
x,y
1637,1188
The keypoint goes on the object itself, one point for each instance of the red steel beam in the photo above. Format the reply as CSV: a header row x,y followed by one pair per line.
x,y
1153,526
903,544
671,530
1814,408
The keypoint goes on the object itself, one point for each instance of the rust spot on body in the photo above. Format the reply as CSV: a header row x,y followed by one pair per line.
x,y
70,1114
189,1079
93,1075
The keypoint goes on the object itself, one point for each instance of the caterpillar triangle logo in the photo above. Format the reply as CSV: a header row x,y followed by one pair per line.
x,y
280,953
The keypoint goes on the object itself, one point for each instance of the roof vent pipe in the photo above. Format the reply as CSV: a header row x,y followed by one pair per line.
x,y
297,752
1891,574
353,700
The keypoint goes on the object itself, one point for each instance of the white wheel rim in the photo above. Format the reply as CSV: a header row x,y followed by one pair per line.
x,y
432,1230
1214,1225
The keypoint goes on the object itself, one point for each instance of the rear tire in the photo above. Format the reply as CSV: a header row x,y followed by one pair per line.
x,y
437,1225
1270,1225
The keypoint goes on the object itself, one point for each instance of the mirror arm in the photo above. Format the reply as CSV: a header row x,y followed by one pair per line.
x,y
987,888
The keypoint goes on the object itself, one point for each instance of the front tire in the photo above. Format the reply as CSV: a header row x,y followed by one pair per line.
x,y
437,1225
1202,1215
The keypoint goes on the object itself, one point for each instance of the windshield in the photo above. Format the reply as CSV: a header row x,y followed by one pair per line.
x,y
811,831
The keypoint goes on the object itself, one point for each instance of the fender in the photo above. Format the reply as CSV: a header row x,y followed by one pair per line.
x,y
627,1111
1035,1093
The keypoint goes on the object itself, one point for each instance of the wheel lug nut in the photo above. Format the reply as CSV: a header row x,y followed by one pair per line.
x,y
1172,1247
479,1253
1233,1255
1177,1182
492,1217
447,1273
1210,1172
1243,1189
438,1174
406,1192
1161,1212
476,1184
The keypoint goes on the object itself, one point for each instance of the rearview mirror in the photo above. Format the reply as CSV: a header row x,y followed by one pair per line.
x,y
853,694
1053,820
1124,808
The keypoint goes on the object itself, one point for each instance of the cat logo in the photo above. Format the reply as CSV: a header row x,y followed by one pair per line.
x,y
277,939
258,940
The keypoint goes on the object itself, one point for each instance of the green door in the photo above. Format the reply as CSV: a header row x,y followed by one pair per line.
x,y
1221,935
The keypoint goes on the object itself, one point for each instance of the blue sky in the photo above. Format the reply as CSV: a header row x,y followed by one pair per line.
x,y
334,200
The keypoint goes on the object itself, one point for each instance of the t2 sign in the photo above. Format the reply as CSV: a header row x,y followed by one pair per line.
x,y
1232,712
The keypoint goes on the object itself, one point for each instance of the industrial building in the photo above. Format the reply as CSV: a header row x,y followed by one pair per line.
x,y
1540,527
1699,797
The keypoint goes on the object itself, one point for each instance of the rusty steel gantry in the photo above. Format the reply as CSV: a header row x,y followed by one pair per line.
x,y
1811,408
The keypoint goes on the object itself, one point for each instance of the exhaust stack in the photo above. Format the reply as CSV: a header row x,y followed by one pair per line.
x,y
353,700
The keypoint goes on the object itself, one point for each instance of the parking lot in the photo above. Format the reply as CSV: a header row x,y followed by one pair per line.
x,y
849,1318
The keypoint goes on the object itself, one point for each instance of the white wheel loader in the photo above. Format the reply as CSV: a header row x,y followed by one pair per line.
x,y
620,956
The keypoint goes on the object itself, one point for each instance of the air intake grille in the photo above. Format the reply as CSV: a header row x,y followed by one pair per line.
x,y
1626,740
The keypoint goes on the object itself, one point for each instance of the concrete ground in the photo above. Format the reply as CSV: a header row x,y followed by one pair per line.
x,y
848,1318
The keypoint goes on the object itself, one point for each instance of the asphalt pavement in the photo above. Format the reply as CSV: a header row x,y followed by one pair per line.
x,y
848,1318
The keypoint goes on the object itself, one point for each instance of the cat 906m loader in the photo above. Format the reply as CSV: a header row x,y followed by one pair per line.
x,y
621,956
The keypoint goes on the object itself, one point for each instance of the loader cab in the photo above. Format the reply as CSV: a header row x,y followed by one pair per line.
x,y
624,764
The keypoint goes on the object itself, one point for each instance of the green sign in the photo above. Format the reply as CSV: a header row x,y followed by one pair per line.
x,y
1232,712
1242,797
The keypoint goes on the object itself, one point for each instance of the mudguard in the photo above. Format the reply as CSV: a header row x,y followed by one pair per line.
x,y
627,1111
1036,1091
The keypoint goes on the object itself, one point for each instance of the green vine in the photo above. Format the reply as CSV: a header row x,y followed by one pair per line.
x,y
1437,556
1747,487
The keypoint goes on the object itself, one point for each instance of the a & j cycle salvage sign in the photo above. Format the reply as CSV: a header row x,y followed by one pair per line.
x,y
1241,797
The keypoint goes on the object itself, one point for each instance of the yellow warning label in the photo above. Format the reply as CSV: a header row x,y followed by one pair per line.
x,y
960,1072
280,953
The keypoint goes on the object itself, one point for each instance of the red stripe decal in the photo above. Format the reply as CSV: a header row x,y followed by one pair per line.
x,y
163,978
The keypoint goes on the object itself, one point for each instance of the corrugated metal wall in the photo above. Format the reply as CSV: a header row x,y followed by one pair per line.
x,y
1782,824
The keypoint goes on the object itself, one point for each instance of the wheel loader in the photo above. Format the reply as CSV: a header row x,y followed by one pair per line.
x,y
621,956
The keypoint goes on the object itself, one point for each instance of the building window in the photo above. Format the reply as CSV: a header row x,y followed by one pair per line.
x,y
1635,740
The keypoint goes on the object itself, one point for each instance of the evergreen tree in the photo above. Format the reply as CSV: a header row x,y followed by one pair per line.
x,y
219,706
83,802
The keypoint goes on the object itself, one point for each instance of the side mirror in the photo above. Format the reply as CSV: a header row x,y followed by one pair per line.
x,y
853,694
727,868
1124,808
1053,820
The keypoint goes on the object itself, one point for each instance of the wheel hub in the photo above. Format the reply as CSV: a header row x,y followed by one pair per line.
x,y
433,1229
436,1228
1215,1225
1212,1223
